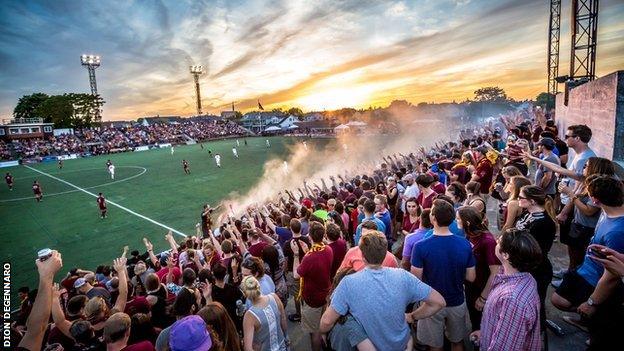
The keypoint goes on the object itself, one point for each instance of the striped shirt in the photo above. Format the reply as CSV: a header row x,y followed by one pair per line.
x,y
511,314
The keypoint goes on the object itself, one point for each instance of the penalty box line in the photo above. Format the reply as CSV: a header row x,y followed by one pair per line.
x,y
110,202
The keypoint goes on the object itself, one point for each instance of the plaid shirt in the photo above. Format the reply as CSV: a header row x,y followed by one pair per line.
x,y
511,315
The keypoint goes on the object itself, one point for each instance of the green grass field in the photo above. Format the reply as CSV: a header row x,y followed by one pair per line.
x,y
151,183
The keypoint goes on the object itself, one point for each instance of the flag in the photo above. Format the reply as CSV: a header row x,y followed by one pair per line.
x,y
260,106
233,107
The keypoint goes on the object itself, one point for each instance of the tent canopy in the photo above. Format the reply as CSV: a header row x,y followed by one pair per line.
x,y
356,124
272,129
342,127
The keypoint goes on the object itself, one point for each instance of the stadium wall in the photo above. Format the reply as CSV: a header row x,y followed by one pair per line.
x,y
600,105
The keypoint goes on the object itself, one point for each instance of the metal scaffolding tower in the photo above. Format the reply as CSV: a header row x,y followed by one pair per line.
x,y
553,46
91,62
584,35
196,71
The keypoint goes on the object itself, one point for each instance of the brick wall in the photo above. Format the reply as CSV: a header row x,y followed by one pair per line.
x,y
600,105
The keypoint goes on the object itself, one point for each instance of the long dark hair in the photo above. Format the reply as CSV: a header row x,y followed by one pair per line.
x,y
471,221
217,317
537,194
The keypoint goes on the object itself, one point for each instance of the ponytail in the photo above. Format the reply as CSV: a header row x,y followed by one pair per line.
x,y
550,209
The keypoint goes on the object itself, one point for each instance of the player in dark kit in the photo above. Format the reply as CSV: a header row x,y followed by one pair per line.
x,y
101,201
185,165
37,191
60,164
8,178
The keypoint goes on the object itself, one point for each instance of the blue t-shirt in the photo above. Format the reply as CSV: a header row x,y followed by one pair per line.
x,y
610,233
387,221
358,232
283,235
377,299
444,260
453,228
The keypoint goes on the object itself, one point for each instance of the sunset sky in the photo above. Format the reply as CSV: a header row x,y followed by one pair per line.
x,y
311,54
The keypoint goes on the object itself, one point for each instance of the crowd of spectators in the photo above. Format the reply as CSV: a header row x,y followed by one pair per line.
x,y
399,257
113,139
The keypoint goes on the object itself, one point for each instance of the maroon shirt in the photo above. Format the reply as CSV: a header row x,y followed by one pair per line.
x,y
315,270
339,248
162,274
484,170
256,249
141,346
101,202
9,179
426,202
409,226
483,250
36,189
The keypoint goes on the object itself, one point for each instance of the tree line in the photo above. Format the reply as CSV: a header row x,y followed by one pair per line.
x,y
65,111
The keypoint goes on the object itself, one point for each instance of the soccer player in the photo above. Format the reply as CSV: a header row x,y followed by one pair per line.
x,y
101,201
218,160
201,145
60,164
8,178
235,152
305,145
245,140
185,165
237,142
37,191
172,149
108,163
268,143
111,170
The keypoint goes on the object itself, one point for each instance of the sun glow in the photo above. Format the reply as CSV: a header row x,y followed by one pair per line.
x,y
335,98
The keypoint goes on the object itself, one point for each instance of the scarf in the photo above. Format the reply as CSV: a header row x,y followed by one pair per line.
x,y
315,248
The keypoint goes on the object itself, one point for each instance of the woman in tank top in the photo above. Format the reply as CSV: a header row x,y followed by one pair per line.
x,y
264,323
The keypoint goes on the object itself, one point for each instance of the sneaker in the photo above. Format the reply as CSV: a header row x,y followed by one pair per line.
x,y
559,274
294,317
577,322
556,283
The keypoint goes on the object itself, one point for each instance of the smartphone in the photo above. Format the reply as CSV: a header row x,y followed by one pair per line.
x,y
594,251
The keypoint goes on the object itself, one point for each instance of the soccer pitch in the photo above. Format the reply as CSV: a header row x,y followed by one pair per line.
x,y
151,185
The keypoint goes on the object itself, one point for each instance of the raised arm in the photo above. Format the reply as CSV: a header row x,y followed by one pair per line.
x,y
122,274
57,313
553,167
150,251
174,246
40,314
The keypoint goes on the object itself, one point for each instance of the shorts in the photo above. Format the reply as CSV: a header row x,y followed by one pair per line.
x,y
293,285
347,335
311,318
578,236
574,288
454,322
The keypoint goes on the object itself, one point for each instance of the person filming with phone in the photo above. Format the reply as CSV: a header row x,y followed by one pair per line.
x,y
594,292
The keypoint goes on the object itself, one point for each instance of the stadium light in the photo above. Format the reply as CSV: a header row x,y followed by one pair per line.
x,y
196,71
91,62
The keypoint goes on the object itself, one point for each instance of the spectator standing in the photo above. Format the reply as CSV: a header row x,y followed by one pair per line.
x,y
377,298
511,314
444,261
314,272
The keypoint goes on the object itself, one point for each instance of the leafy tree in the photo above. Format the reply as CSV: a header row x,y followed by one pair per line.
x,y
545,100
490,94
57,109
295,111
27,104
238,115
400,104
86,108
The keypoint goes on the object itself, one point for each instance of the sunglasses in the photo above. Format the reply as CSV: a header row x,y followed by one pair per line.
x,y
520,197
569,136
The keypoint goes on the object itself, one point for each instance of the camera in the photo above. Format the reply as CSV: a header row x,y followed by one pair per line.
x,y
44,254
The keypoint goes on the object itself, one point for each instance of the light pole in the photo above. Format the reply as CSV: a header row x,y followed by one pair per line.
x,y
91,62
196,71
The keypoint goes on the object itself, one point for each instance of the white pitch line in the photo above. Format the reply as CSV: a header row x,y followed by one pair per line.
x,y
110,202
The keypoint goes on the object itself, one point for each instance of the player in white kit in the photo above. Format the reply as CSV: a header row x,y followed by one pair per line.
x,y
172,149
218,160
111,170
268,144
237,143
235,152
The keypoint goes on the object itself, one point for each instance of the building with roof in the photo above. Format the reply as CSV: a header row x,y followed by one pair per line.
x,y
25,128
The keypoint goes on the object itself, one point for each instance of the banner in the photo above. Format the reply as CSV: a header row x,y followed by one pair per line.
x,y
162,146
67,157
141,148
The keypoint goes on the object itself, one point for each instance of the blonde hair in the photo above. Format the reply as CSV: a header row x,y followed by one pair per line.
x,y
95,308
251,287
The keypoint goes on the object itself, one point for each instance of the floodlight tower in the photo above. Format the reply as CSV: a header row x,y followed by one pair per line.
x,y
91,62
196,71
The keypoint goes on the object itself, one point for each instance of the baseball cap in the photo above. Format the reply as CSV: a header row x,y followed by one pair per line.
x,y
189,334
307,203
548,143
79,282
